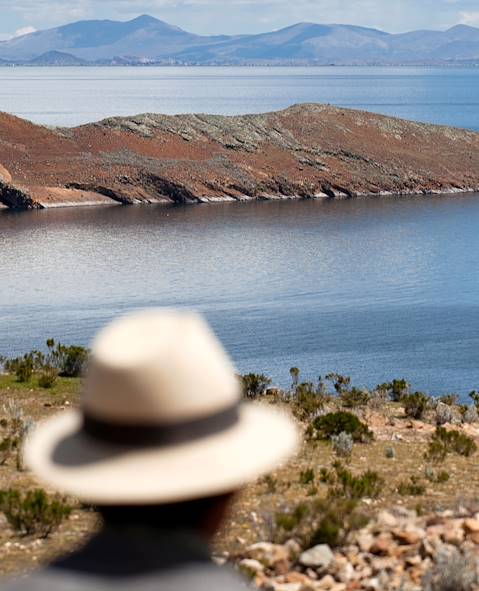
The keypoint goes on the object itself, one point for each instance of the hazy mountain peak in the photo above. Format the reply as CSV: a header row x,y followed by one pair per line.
x,y
146,39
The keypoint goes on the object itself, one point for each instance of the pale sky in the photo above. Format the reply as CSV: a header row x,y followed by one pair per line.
x,y
242,16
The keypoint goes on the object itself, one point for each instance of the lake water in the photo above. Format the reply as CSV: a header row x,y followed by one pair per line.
x,y
70,96
376,288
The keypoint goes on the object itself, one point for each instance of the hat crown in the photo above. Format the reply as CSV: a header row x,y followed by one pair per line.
x,y
158,367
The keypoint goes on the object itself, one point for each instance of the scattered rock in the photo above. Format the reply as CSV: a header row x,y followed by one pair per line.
x,y
319,557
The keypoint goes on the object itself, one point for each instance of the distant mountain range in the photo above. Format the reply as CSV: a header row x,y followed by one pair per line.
x,y
146,40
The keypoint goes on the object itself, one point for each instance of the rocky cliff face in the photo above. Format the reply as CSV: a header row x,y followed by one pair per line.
x,y
306,151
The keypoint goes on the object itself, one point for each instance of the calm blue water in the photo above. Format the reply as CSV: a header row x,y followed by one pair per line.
x,y
375,288
70,96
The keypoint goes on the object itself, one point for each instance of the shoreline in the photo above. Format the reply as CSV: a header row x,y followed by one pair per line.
x,y
246,199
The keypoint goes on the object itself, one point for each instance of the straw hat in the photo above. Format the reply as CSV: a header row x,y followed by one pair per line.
x,y
161,419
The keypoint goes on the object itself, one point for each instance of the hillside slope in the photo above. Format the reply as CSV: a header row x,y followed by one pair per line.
x,y
305,151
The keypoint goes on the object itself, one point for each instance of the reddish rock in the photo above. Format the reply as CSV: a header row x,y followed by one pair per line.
x,y
303,151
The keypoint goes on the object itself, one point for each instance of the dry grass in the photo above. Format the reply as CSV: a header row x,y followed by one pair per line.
x,y
255,506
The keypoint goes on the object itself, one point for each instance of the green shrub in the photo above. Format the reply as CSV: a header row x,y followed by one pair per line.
x,y
444,442
341,383
270,483
449,399
24,369
294,373
70,361
354,398
390,453
48,378
412,487
366,485
290,521
8,447
337,519
307,477
415,405
321,521
442,477
396,389
308,402
33,512
254,385
474,396
334,423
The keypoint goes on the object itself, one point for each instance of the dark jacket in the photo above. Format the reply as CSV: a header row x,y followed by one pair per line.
x,y
140,559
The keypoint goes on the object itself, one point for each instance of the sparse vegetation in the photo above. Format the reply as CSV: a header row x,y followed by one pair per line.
x,y
33,512
444,442
335,423
412,487
415,405
254,385
343,444
307,477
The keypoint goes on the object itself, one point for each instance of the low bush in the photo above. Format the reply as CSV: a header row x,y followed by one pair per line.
x,y
270,483
33,512
444,442
470,414
24,369
48,378
415,405
334,423
412,487
344,484
396,389
340,383
337,520
452,571
322,521
437,478
254,385
342,445
474,396
444,413
308,402
390,453
449,399
8,447
355,398
307,477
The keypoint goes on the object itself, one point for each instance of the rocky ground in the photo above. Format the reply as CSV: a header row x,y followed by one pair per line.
x,y
306,151
416,528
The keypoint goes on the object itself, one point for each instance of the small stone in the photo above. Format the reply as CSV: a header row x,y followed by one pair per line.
x,y
471,525
387,519
293,548
383,544
319,557
326,583
409,536
365,542
270,555
295,577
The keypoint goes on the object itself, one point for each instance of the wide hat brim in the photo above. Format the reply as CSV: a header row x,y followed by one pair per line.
x,y
67,459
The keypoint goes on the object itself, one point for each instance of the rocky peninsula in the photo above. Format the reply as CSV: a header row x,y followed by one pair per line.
x,y
306,151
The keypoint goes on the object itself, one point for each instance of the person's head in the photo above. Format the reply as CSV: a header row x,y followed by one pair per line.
x,y
162,435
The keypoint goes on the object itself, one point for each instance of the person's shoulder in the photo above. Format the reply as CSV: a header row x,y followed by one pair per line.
x,y
201,577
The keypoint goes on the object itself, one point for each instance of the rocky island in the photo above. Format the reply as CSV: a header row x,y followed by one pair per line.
x,y
306,151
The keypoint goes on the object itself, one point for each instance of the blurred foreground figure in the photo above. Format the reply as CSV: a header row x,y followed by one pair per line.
x,y
160,445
